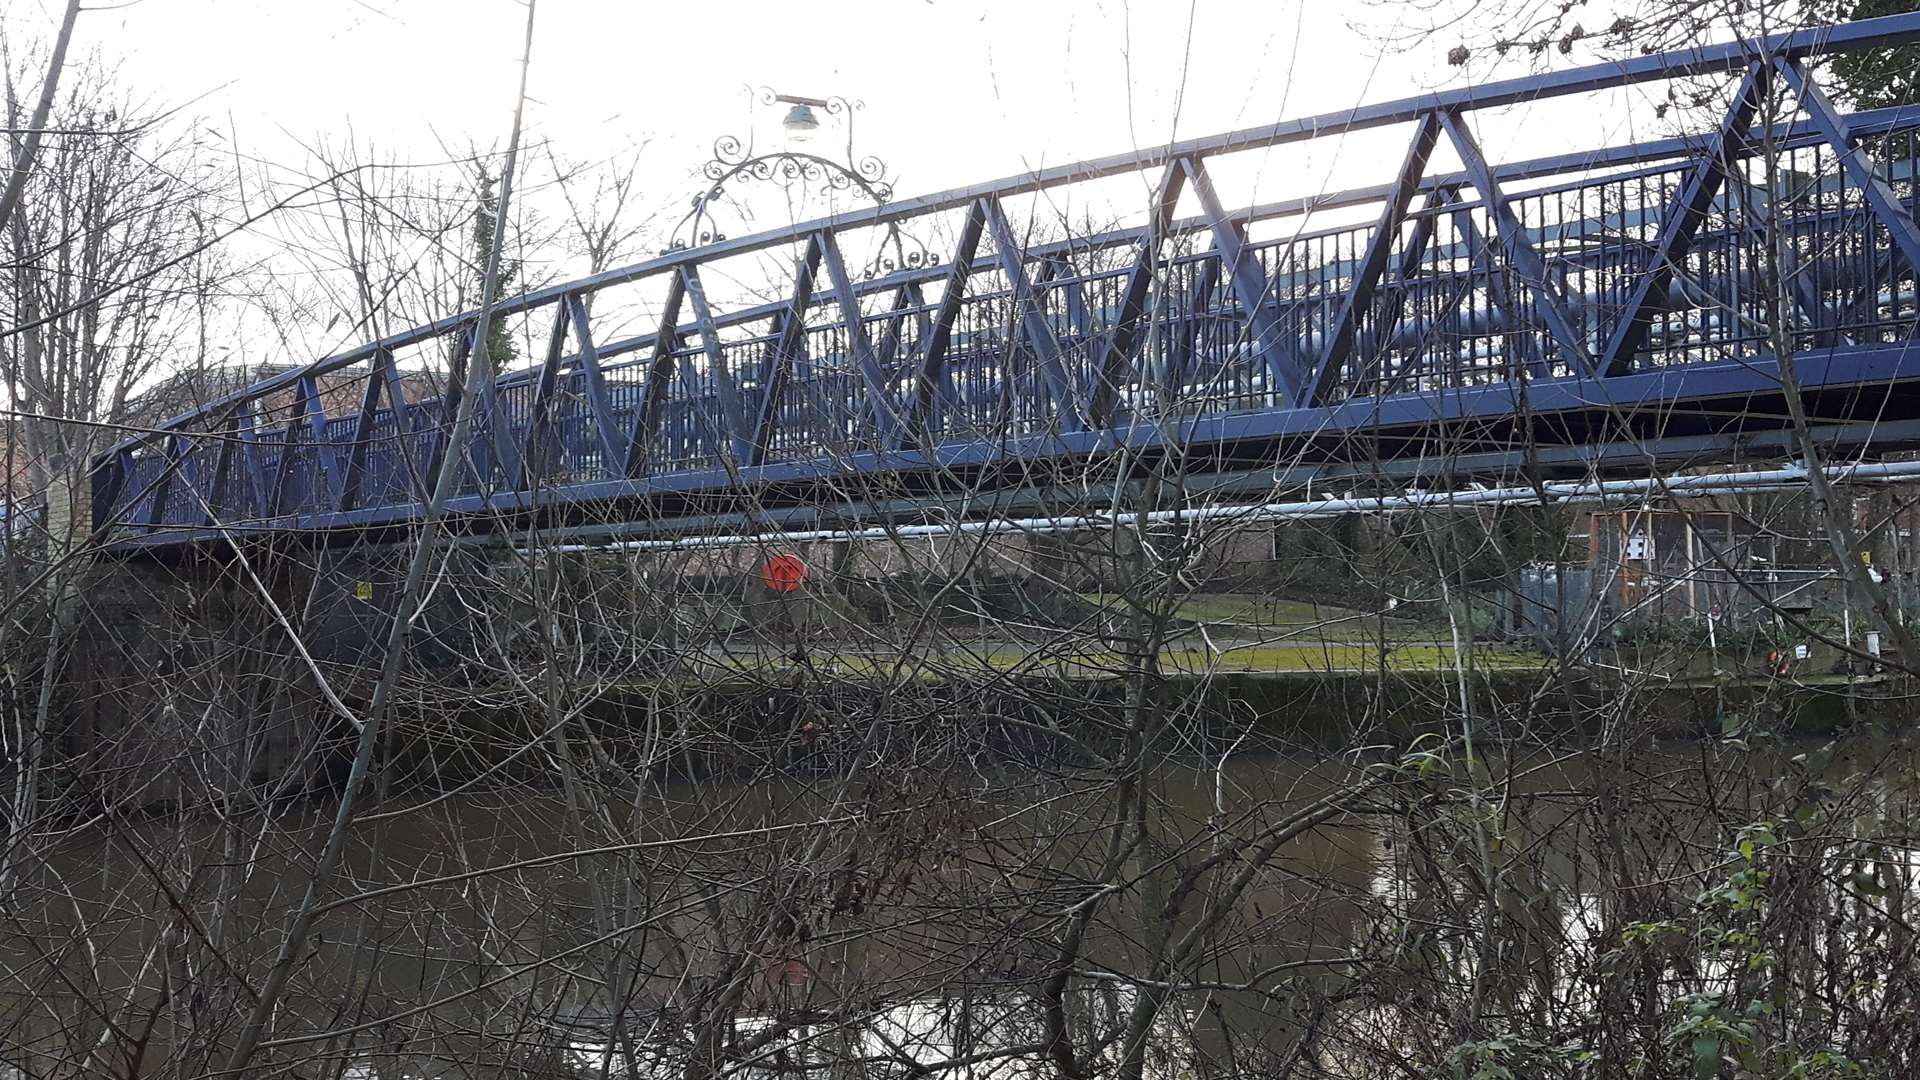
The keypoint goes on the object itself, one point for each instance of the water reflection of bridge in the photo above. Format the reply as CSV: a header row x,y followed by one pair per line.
x,y
1590,310
948,957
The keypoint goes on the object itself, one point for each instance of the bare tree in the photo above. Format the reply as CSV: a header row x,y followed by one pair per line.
x,y
26,141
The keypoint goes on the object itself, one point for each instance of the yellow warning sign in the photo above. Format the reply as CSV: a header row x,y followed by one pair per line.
x,y
363,590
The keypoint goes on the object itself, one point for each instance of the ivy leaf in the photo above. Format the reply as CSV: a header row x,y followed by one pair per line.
x,y
1706,1057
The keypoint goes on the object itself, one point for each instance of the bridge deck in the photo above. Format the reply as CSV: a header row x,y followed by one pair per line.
x,y
1581,304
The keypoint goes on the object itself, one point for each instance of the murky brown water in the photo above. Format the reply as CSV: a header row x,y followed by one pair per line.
x,y
907,912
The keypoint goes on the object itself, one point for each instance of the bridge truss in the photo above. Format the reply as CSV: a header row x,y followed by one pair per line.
x,y
1592,312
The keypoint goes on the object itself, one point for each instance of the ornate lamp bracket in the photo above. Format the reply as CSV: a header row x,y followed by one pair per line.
x,y
735,164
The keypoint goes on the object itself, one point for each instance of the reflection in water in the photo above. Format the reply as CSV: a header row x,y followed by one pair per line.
x,y
948,920
931,1034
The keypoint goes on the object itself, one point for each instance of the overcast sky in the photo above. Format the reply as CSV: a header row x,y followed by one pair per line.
x,y
954,91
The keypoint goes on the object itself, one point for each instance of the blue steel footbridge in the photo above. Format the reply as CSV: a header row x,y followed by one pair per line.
x,y
1607,309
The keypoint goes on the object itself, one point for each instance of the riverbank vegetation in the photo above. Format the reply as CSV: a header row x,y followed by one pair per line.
x,y
1192,797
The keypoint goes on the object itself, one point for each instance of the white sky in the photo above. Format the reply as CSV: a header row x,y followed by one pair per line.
x,y
955,91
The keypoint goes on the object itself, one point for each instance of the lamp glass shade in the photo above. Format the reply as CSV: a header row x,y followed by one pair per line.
x,y
801,121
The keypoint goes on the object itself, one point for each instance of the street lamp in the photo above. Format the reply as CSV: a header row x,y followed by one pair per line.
x,y
800,122
736,162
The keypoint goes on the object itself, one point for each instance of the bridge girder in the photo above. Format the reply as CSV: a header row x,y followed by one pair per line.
x,y
1490,325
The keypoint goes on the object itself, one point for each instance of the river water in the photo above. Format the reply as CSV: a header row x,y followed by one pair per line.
x,y
858,917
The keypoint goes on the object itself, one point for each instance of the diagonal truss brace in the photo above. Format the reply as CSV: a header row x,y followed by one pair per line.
x,y
653,392
536,444
499,454
1359,298
1480,255
606,427
250,461
881,410
907,298
1549,298
1184,325
1756,218
326,458
1386,326
217,491
1036,331
449,403
176,468
1649,294
403,421
1860,168
933,352
1115,349
787,346
728,433
350,491
1249,282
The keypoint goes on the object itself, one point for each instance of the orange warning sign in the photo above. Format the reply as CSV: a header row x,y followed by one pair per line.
x,y
784,573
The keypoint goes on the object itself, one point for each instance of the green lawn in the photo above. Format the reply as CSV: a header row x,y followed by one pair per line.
x,y
1259,611
1254,612
1282,658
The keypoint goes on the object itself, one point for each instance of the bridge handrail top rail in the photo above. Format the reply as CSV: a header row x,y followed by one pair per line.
x,y
1721,57
1664,152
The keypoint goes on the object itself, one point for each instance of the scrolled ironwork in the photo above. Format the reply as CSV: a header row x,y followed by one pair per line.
x,y
900,252
734,162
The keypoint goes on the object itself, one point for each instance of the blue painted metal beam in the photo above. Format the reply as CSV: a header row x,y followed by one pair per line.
x,y
787,346
158,494
1549,298
1887,206
1249,282
218,498
729,432
1030,321
251,464
1115,351
1523,336
1425,224
350,493
456,388
1649,294
1386,233
906,299
1665,393
606,425
1191,318
537,444
495,456
933,353
653,391
1077,362
882,412
328,480
405,436
283,470
110,484
188,478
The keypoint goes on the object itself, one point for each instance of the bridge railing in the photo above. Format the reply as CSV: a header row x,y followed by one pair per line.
x,y
1583,267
